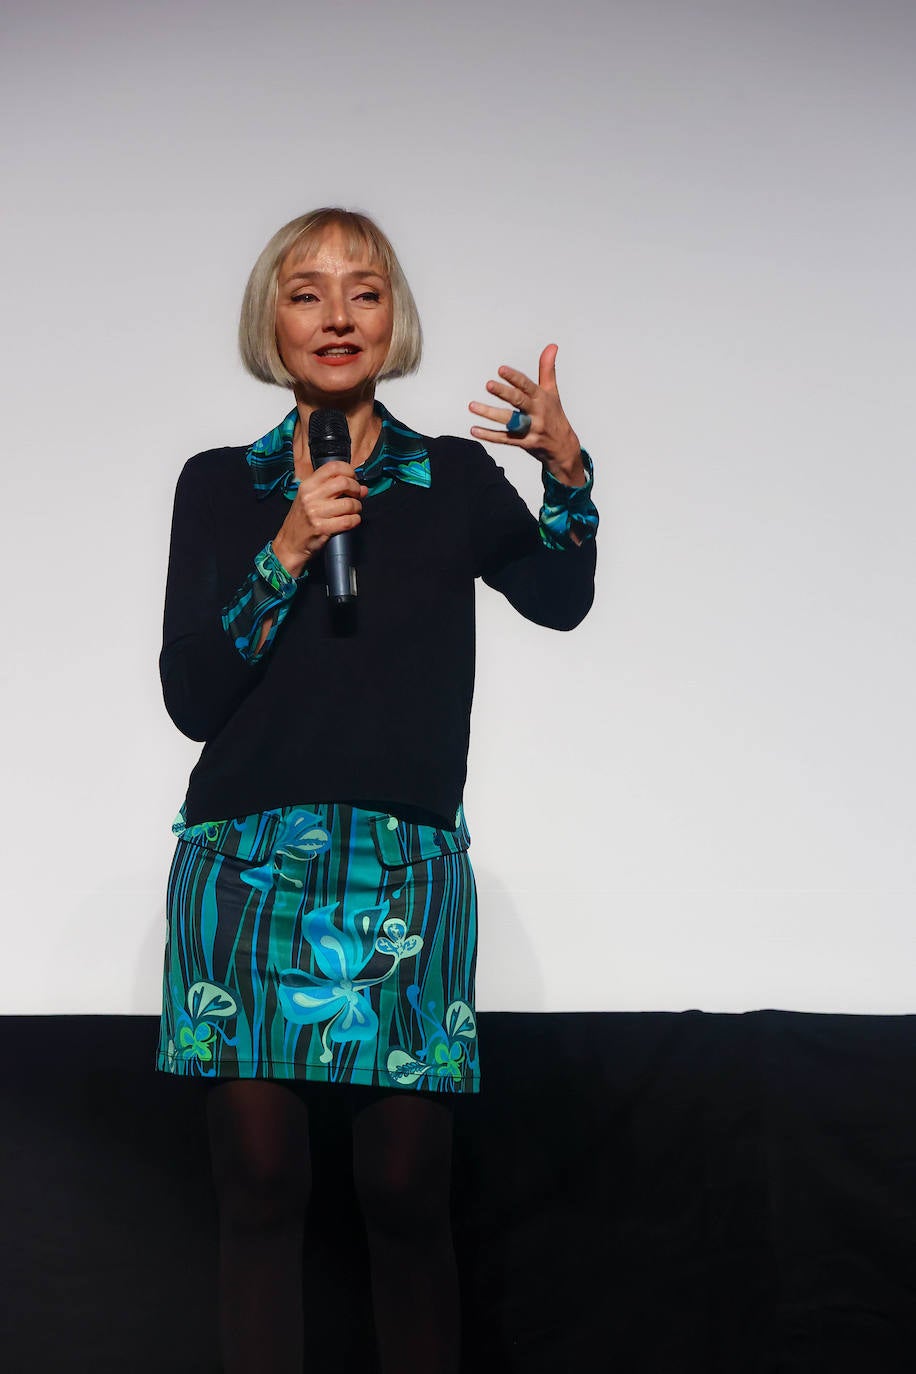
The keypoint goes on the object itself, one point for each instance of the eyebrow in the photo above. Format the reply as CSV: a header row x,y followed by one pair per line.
x,y
347,276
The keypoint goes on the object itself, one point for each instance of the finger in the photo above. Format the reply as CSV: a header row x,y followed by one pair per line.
x,y
497,436
334,483
517,398
496,413
337,524
342,505
343,522
336,468
518,379
323,511
547,368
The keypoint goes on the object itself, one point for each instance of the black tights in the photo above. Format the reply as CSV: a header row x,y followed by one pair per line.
x,y
402,1147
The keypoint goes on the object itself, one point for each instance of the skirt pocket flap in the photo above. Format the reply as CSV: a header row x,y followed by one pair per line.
x,y
400,843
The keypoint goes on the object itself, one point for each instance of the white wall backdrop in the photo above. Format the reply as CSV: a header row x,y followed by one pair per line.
x,y
704,796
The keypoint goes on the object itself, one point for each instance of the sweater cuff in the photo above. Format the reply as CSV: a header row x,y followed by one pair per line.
x,y
568,510
267,591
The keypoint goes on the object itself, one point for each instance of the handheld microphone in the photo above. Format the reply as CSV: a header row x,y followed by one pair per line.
x,y
329,439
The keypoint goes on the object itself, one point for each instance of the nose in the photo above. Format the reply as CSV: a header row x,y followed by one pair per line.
x,y
337,316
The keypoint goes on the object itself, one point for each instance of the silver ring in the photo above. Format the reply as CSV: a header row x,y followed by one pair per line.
x,y
519,424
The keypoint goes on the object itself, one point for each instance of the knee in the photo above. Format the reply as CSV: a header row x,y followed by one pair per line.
x,y
259,1156
262,1193
398,1201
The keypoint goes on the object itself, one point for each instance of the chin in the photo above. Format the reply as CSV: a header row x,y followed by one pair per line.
x,y
337,385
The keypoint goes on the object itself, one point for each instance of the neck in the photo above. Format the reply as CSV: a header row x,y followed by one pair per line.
x,y
362,422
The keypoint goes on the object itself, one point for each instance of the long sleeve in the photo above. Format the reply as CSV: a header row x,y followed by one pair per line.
x,y
568,511
204,675
536,565
266,594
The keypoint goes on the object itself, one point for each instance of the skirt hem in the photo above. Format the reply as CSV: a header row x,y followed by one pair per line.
x,y
358,1077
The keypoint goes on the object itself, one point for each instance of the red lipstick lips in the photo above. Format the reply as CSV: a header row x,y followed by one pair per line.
x,y
334,358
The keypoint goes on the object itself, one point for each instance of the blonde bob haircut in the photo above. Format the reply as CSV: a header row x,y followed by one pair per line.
x,y
257,326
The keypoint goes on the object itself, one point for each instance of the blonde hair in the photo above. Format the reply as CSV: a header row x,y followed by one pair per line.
x,y
257,325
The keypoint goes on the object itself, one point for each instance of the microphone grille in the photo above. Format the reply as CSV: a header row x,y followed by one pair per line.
x,y
329,435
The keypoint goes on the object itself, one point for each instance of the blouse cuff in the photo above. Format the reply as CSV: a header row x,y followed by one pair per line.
x,y
267,591
568,510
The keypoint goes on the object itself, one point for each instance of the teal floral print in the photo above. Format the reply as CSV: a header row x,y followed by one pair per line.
x,y
446,1052
303,838
568,510
396,941
196,1034
400,454
266,594
341,954
322,942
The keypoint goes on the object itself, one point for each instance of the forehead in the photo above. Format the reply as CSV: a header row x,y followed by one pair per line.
x,y
333,249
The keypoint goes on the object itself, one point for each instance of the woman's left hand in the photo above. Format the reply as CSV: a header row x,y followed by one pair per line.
x,y
551,437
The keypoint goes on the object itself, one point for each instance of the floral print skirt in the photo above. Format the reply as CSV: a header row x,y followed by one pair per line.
x,y
322,942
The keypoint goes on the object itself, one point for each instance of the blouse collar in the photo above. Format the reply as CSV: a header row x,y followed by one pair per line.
x,y
399,453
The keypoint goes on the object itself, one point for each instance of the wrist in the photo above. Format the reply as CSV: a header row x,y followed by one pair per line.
x,y
293,560
564,460
570,471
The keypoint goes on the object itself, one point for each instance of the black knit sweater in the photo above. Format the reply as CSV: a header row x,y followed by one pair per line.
x,y
369,708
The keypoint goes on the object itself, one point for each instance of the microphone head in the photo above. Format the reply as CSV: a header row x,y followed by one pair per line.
x,y
329,436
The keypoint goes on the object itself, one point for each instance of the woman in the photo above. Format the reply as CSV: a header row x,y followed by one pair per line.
x,y
322,918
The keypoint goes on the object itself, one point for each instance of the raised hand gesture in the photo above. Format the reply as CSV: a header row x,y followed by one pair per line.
x,y
536,419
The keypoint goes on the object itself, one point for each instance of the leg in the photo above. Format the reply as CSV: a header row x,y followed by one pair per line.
x,y
402,1157
259,1147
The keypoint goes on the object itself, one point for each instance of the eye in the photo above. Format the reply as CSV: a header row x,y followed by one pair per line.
x,y
304,296
369,296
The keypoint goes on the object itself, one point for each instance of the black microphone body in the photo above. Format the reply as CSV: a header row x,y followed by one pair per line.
x,y
329,439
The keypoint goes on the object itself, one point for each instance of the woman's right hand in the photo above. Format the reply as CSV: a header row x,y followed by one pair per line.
x,y
328,502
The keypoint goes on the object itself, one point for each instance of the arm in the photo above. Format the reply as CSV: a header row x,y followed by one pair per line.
x,y
259,607
204,676
216,639
546,568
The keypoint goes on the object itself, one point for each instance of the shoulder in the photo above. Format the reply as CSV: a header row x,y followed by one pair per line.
x,y
212,463
465,459
211,471
452,446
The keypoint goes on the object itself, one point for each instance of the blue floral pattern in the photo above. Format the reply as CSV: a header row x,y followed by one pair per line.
x,y
322,942
339,996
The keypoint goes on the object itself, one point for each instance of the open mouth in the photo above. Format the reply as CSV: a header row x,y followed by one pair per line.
x,y
338,351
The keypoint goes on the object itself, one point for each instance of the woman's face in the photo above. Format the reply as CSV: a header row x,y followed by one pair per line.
x,y
334,320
